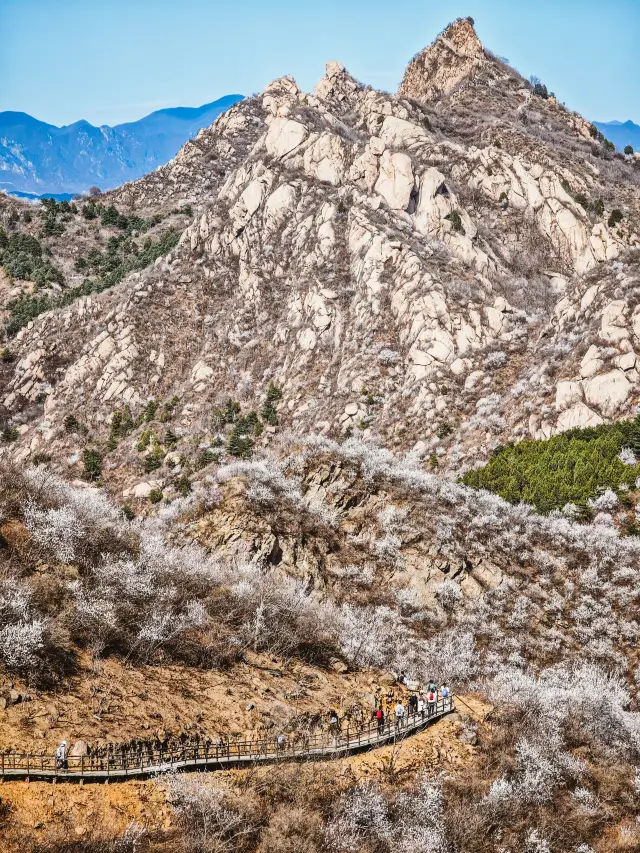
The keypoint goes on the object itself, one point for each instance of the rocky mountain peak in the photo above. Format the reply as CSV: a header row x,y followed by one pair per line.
x,y
413,270
456,54
462,37
337,84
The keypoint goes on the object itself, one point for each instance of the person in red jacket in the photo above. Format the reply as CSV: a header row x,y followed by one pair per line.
x,y
432,701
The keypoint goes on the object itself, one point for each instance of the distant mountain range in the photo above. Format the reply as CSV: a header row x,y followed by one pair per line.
x,y
41,159
621,133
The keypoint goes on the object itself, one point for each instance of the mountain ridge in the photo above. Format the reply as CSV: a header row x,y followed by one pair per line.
x,y
445,237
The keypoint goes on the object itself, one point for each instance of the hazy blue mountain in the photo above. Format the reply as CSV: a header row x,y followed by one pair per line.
x,y
621,133
39,158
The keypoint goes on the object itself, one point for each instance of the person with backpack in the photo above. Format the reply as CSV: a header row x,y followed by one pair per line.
x,y
444,692
62,762
380,720
432,701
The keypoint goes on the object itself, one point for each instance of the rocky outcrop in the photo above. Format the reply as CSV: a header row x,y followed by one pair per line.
x,y
370,538
456,55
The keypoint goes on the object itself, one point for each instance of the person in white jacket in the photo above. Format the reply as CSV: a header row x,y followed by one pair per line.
x,y
399,711
61,756
422,705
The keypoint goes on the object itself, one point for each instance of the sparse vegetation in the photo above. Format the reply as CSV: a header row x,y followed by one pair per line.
x,y
206,457
183,485
456,221
121,426
168,409
245,429
71,423
539,89
227,414
155,455
269,412
9,434
27,307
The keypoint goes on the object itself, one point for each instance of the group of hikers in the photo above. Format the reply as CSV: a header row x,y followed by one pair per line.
x,y
137,750
392,708
396,708
420,703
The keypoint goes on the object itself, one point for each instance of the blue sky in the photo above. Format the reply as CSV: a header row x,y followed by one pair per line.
x,y
110,61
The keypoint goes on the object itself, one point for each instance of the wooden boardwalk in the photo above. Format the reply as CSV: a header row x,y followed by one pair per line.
x,y
220,756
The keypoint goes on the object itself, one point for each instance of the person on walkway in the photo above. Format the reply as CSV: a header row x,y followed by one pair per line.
x,y
282,742
62,761
380,720
334,726
432,685
444,692
402,678
432,701
422,705
413,704
399,712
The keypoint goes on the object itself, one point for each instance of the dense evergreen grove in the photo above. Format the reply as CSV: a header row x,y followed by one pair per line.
x,y
111,267
572,467
23,256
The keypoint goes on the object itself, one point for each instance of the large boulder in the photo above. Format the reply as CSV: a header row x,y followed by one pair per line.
x,y
608,392
579,415
395,182
283,136
567,393
79,749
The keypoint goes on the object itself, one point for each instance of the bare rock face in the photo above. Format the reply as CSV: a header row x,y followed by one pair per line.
x,y
427,271
454,56
395,181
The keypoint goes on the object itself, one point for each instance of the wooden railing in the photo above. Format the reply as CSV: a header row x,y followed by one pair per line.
x,y
125,765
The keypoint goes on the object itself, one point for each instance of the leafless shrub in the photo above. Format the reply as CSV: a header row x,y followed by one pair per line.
x,y
210,820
